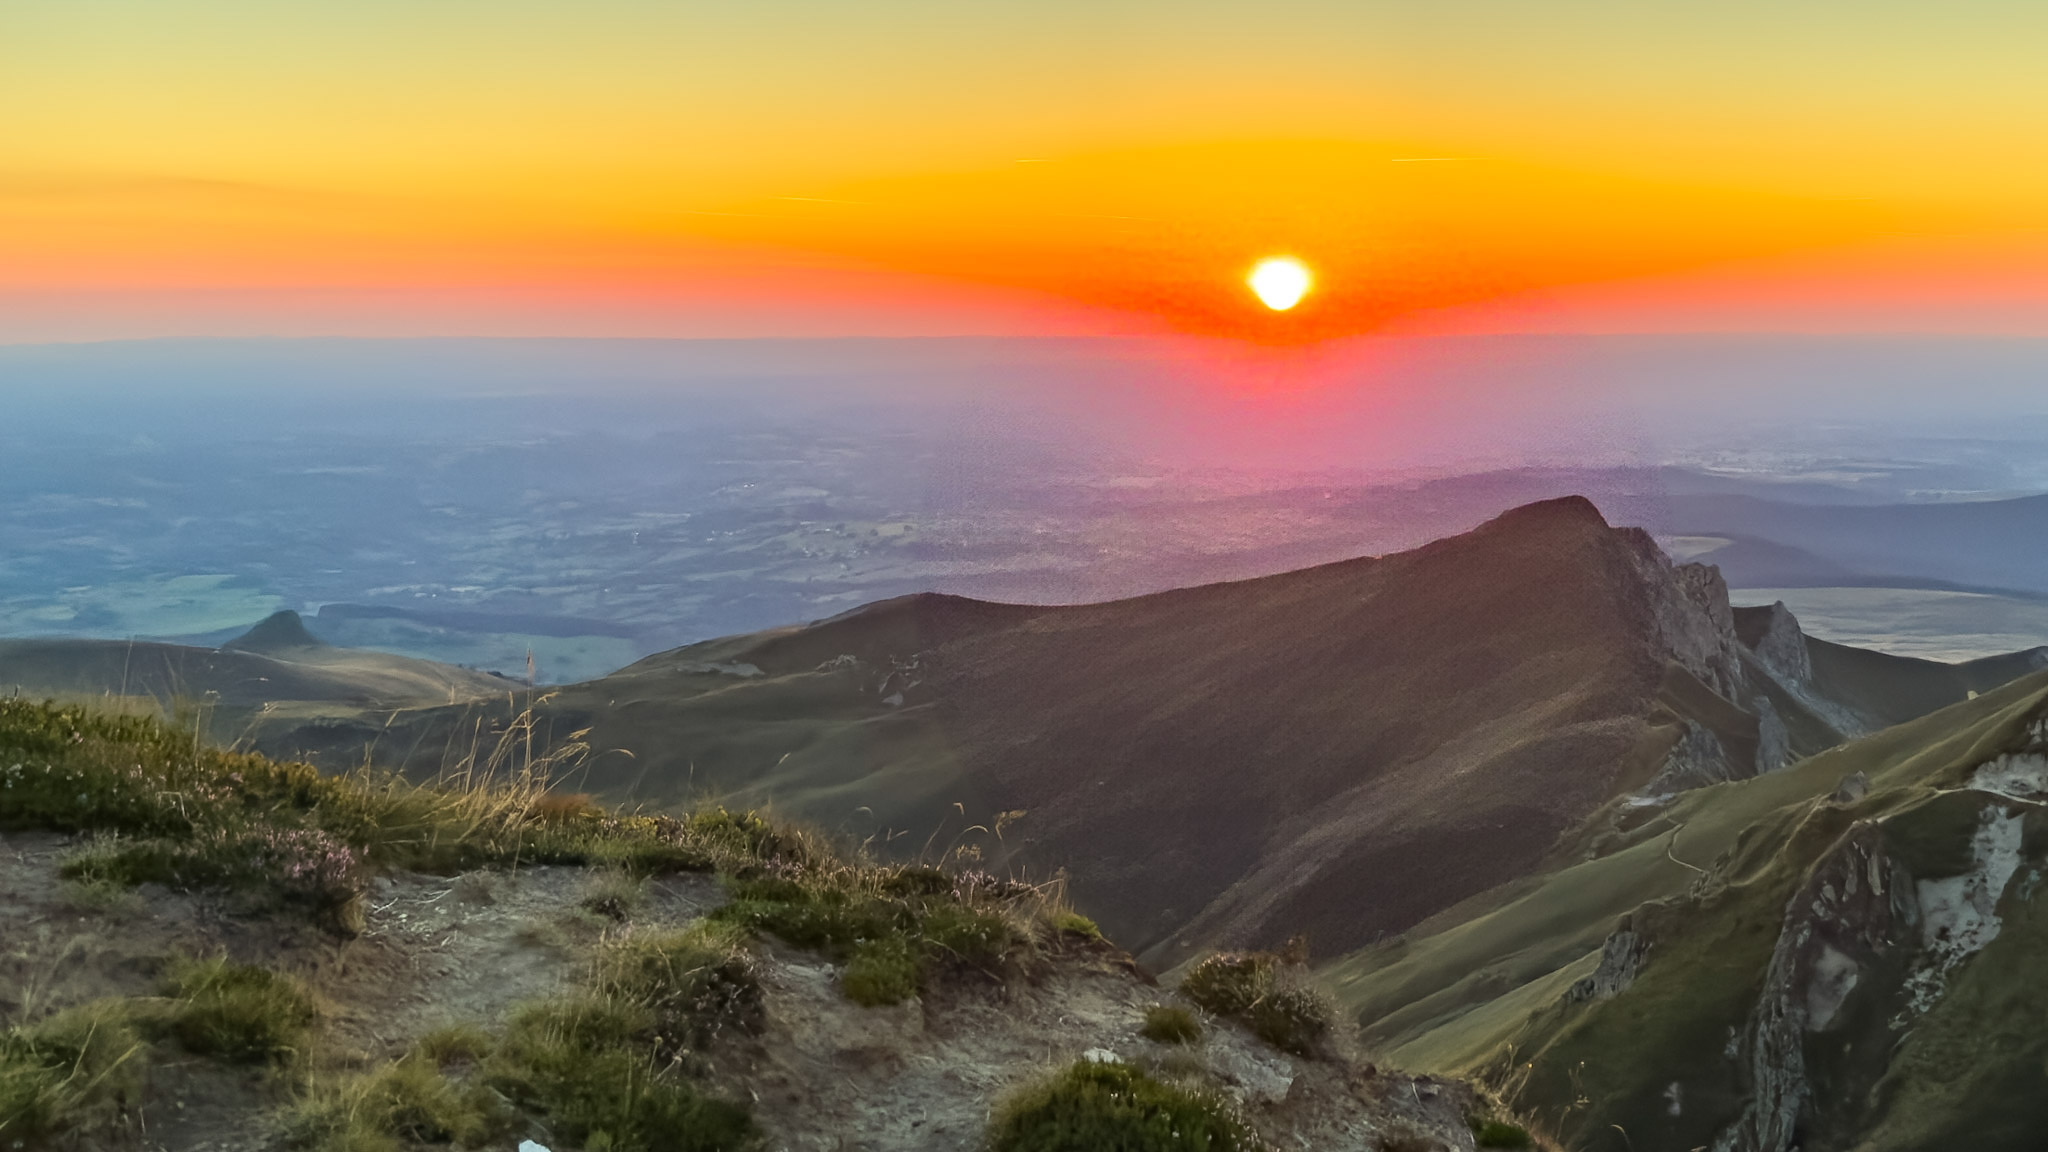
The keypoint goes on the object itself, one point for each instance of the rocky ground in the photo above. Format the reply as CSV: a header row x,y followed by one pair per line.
x,y
823,1074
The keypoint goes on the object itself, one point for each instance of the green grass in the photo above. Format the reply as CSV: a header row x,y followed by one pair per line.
x,y
1170,1024
1116,1108
896,928
1075,924
880,972
609,1068
69,1075
1268,993
696,984
577,1065
170,809
1500,1134
616,894
408,1102
237,1012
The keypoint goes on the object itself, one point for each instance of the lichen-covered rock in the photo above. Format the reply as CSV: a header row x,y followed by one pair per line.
x,y
1621,958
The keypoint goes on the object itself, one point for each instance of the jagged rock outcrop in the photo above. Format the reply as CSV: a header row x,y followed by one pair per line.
x,y
1695,761
1621,958
1855,912
1781,645
1690,615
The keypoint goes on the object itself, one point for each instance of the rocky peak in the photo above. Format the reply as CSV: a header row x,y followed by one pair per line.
x,y
1774,634
278,632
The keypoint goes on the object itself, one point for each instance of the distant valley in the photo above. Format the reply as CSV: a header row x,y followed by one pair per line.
x,y
1551,811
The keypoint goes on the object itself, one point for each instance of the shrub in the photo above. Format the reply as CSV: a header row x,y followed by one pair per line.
x,y
571,1064
1170,1024
1115,1106
237,1012
695,983
1265,993
1075,924
1293,1020
405,1103
616,895
1229,983
294,865
455,1043
815,913
981,937
1500,1134
881,972
69,1073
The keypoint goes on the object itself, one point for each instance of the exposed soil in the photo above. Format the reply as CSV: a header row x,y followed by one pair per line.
x,y
825,1074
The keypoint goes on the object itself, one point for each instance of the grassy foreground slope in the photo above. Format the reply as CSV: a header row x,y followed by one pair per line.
x,y
1841,955
208,950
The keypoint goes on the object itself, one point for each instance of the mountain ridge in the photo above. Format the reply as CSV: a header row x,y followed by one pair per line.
x,y
1344,750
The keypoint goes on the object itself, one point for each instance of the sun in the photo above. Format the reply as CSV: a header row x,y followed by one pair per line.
x,y
1280,282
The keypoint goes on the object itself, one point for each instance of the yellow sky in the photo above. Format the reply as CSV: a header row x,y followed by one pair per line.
x,y
175,157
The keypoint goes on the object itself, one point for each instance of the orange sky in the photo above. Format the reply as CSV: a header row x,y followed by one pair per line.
x,y
800,168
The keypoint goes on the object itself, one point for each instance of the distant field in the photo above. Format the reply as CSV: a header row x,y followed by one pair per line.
x,y
1911,621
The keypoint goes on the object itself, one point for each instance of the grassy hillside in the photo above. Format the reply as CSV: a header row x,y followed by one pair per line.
x,y
1343,750
1340,751
212,950
1812,956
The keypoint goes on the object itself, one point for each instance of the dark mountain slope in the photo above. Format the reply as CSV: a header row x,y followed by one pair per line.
x,y
1343,750
278,632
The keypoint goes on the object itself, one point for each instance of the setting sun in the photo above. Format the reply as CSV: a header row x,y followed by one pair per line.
x,y
1280,282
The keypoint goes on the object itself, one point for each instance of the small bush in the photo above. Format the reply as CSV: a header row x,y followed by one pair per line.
x,y
405,1103
571,1064
980,937
71,1073
816,916
1293,1020
916,880
1170,1024
1075,924
454,1044
1500,1134
696,984
1268,994
616,895
237,1012
1229,983
881,972
291,865
1115,1106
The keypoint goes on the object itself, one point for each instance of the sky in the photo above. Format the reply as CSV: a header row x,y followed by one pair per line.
x,y
241,168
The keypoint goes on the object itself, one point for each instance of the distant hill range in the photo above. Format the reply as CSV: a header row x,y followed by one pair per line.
x,y
277,665
1345,750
